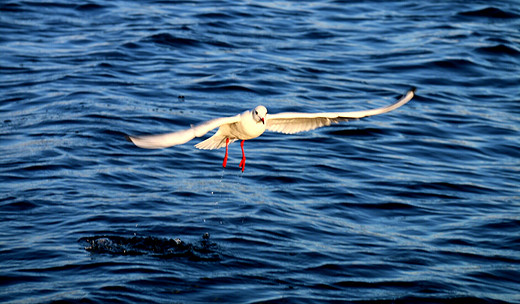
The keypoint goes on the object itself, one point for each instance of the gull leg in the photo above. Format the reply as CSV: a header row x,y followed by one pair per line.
x,y
243,162
225,156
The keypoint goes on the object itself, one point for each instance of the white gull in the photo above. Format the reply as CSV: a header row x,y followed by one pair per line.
x,y
251,124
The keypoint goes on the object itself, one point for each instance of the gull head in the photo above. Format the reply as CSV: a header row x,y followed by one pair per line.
x,y
259,114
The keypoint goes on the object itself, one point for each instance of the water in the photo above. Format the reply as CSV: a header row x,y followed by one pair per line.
x,y
417,205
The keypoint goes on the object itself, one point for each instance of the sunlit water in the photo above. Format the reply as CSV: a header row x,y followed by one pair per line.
x,y
418,205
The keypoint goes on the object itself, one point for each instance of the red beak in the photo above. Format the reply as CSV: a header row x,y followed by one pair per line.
x,y
262,120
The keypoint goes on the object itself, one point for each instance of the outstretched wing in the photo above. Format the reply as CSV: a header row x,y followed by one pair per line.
x,y
293,122
180,137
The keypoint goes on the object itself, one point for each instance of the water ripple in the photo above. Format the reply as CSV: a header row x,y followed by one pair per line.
x,y
418,205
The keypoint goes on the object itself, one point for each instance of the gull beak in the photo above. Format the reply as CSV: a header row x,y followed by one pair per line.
x,y
263,121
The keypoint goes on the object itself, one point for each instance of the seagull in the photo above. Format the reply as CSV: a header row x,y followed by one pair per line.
x,y
251,124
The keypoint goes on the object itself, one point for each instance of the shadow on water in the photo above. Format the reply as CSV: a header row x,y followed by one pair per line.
x,y
203,250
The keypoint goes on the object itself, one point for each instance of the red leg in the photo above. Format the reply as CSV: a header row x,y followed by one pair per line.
x,y
225,156
243,162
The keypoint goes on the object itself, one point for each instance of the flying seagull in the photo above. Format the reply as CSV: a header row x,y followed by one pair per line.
x,y
251,124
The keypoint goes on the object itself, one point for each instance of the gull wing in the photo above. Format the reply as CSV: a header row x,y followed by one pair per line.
x,y
293,122
180,137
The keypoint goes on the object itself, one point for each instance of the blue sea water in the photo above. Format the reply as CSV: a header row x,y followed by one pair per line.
x,y
418,205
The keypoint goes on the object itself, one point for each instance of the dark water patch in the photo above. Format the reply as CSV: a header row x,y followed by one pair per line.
x,y
14,69
501,150
284,179
14,99
233,88
318,35
511,225
105,65
220,44
89,7
489,12
453,64
454,242
327,63
13,279
215,16
11,7
204,250
36,169
496,278
170,40
188,194
48,5
16,206
131,45
386,206
499,49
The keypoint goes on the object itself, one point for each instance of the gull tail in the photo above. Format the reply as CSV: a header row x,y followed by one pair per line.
x,y
214,142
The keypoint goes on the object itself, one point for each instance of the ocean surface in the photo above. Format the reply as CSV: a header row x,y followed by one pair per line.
x,y
419,205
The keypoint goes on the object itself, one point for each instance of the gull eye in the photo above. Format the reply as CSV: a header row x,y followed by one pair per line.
x,y
256,112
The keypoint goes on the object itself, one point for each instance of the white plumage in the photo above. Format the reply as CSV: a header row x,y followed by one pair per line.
x,y
251,124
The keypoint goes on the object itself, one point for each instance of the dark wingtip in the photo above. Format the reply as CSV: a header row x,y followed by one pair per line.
x,y
127,137
413,89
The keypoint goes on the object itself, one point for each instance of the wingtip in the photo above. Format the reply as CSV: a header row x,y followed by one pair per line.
x,y
128,138
413,89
